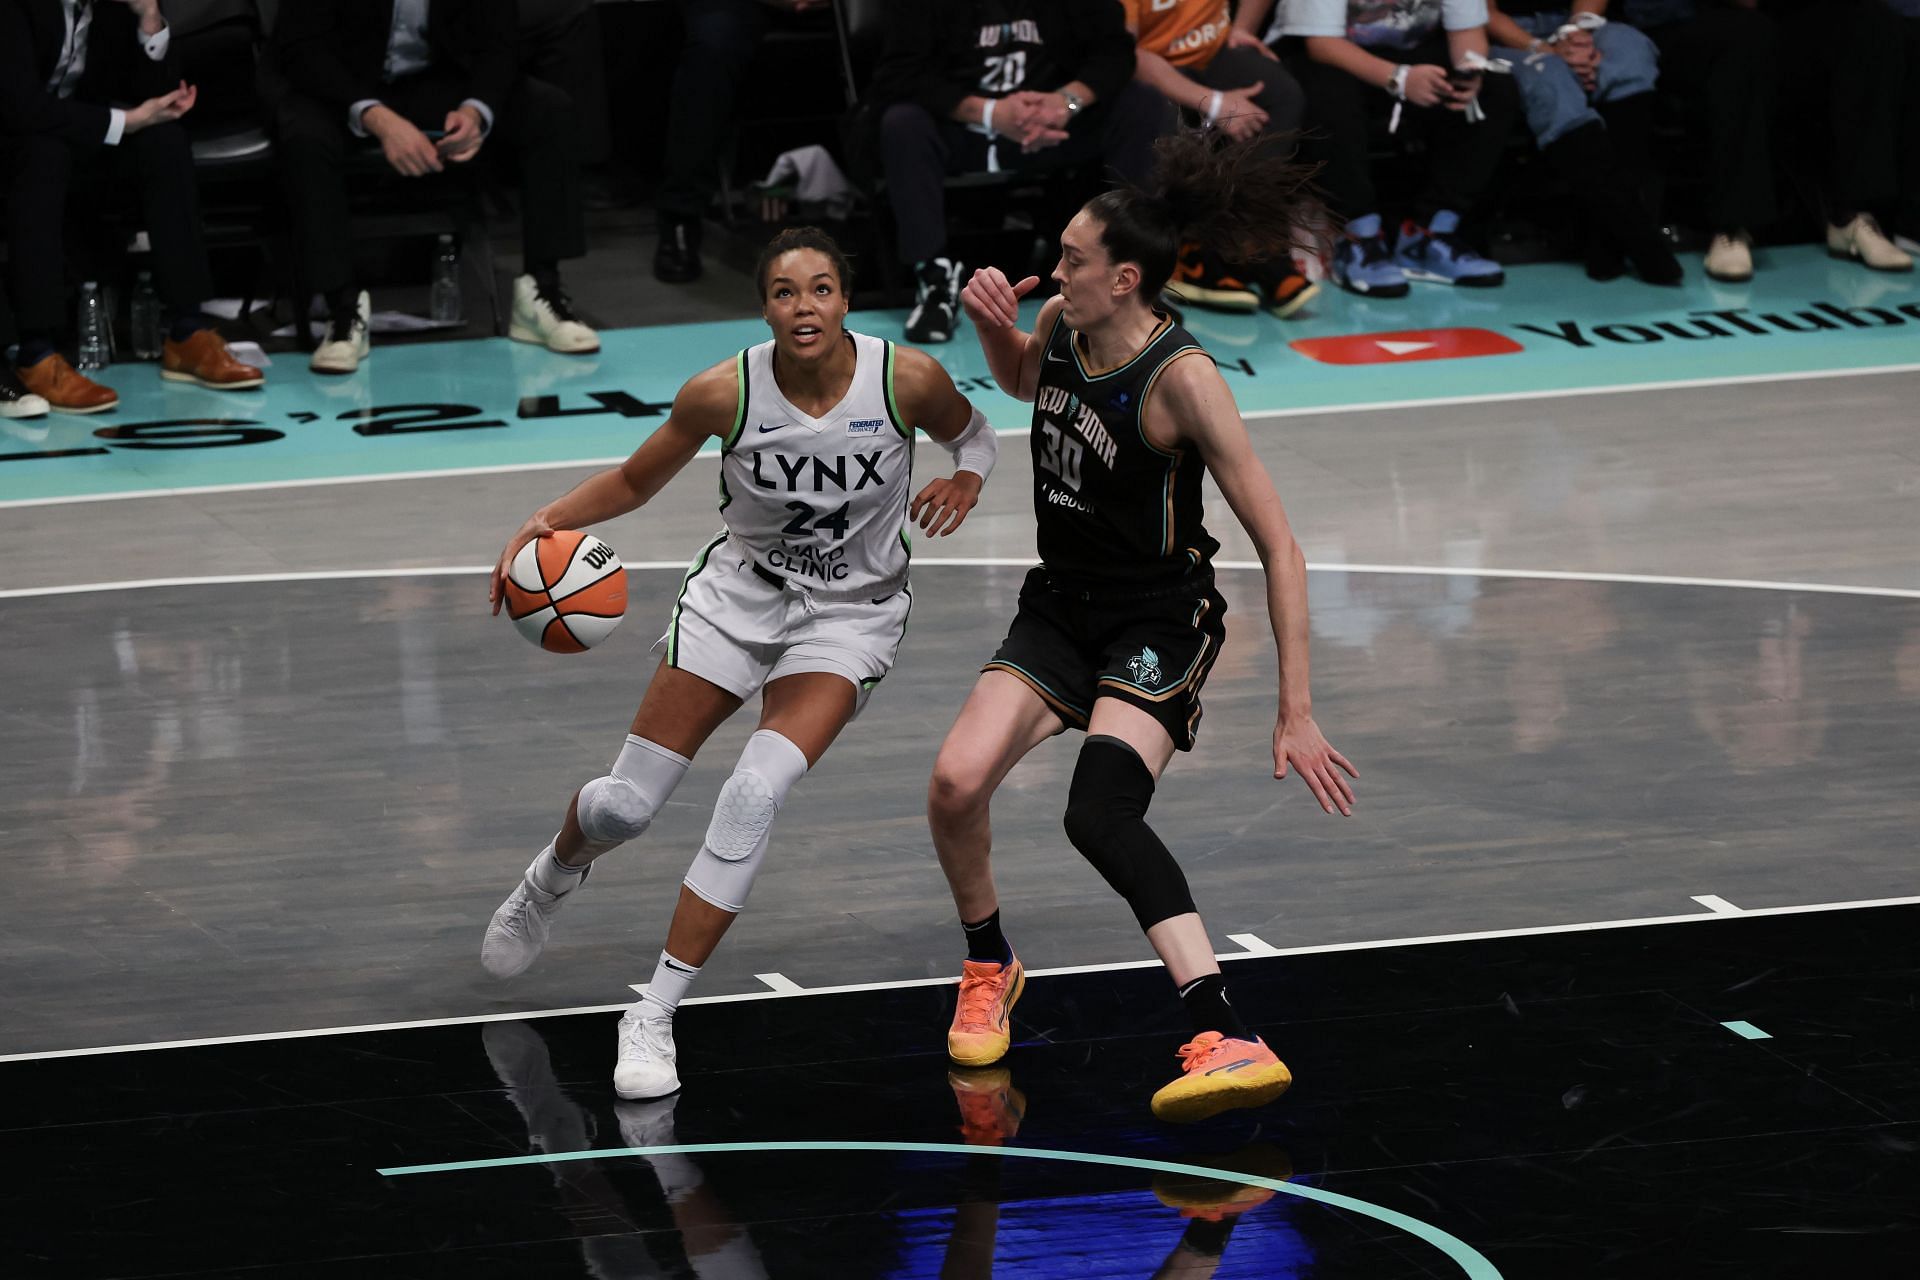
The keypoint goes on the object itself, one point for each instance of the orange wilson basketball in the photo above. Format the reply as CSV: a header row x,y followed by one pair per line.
x,y
566,593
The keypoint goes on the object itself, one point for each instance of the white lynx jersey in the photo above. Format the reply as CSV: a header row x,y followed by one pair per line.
x,y
821,502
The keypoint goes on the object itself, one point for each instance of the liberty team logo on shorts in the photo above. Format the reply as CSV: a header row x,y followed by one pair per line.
x,y
1145,667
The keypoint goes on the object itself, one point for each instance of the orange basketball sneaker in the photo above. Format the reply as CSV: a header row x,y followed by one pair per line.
x,y
991,1109
1218,1074
979,1034
1221,1199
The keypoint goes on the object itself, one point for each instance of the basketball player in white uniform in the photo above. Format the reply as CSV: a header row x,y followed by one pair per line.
x,y
802,599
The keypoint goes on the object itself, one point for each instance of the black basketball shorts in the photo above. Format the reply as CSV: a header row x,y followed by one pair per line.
x,y
1151,647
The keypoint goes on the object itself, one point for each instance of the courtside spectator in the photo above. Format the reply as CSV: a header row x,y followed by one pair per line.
x,y
1351,56
1720,58
1841,102
1222,76
431,84
995,85
1586,86
1907,217
62,62
721,36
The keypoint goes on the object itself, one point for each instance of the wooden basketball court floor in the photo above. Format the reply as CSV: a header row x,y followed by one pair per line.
x,y
1631,680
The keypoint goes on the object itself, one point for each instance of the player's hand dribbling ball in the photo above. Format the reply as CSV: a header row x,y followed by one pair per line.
x,y
566,593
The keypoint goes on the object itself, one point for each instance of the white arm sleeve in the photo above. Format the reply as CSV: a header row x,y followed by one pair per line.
x,y
976,448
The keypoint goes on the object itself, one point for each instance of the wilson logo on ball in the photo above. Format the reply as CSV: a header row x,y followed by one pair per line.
x,y
566,593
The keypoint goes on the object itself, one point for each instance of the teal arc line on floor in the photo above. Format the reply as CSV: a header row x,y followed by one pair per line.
x,y
1471,1262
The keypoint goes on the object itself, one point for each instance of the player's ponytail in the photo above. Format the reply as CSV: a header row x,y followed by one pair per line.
x,y
1241,199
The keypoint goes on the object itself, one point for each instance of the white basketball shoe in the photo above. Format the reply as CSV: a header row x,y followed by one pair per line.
x,y
520,927
647,1066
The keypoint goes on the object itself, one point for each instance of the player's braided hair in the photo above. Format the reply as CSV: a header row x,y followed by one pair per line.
x,y
1243,200
804,238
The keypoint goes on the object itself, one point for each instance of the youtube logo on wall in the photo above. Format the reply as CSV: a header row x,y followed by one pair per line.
x,y
1406,346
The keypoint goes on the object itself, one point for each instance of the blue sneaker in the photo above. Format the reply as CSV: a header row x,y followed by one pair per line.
x,y
1435,253
1361,263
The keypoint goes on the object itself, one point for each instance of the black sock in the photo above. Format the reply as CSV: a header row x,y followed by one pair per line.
x,y
546,276
343,302
1207,1004
34,348
183,324
985,942
1209,1239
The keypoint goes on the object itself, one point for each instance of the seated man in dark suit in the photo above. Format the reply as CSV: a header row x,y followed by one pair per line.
x,y
432,82
63,64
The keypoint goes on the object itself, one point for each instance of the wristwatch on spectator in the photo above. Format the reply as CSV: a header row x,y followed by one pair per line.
x,y
1074,103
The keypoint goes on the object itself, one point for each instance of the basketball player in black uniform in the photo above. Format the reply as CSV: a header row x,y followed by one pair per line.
x,y
1119,625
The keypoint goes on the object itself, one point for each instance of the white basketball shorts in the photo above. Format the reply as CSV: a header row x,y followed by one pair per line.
x,y
733,628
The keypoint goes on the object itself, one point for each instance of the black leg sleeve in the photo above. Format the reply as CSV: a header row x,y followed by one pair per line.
x,y
1106,821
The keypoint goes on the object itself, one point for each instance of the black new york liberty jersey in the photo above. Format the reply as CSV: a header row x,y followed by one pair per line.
x,y
1111,507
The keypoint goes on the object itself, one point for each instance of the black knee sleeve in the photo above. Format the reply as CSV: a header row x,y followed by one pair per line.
x,y
1106,821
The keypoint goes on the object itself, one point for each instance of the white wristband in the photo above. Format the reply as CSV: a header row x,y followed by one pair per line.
x,y
974,449
1397,86
1213,106
986,117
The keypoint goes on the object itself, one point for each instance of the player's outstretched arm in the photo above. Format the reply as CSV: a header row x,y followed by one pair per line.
x,y
1191,403
929,400
704,408
1013,356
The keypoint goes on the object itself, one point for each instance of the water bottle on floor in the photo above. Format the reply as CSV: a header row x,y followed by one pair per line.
x,y
96,341
144,317
443,303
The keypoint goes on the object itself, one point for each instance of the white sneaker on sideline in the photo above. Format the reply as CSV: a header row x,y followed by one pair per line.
x,y
1863,239
520,926
647,1066
348,340
547,320
1730,257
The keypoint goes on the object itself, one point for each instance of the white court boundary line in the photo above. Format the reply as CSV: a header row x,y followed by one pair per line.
x,y
799,992
1263,415
993,562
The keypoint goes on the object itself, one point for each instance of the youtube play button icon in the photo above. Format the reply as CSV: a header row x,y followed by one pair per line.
x,y
1406,346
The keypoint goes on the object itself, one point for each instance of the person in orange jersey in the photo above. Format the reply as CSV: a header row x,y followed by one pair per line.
x,y
1221,75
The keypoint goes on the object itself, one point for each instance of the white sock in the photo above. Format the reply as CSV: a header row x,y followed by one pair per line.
x,y
671,978
550,875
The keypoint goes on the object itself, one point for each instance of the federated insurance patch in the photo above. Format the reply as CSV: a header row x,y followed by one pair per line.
x,y
865,426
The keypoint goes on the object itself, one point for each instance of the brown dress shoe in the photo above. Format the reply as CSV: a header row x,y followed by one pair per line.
x,y
204,359
65,388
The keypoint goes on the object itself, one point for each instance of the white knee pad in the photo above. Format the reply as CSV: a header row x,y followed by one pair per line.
x,y
736,843
620,806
